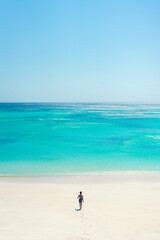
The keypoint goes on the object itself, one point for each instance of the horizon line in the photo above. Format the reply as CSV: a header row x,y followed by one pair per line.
x,y
85,102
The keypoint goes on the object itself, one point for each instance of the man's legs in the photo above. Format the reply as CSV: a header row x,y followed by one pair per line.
x,y
80,206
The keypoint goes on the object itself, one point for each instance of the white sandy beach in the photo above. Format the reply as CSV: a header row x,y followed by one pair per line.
x,y
114,210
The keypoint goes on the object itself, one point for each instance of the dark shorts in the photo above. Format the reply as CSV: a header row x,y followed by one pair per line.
x,y
80,200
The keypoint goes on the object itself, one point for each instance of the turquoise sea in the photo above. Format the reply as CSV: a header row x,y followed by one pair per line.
x,y
69,138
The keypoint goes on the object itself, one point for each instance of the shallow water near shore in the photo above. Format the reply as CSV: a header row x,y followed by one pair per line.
x,y
69,138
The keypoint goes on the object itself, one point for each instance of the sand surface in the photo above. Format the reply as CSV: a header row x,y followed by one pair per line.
x,y
111,211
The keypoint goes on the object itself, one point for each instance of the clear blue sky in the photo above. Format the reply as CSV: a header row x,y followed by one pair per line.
x,y
80,50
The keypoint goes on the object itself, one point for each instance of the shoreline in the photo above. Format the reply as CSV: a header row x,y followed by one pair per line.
x,y
88,178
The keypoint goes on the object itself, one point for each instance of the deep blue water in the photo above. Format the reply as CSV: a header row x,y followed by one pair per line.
x,y
64,138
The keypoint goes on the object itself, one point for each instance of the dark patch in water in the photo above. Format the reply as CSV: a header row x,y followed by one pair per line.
x,y
60,138
150,146
8,140
114,140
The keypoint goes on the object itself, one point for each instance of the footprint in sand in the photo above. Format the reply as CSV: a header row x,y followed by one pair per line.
x,y
86,228
86,231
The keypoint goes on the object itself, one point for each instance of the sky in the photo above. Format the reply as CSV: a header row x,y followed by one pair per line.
x,y
80,51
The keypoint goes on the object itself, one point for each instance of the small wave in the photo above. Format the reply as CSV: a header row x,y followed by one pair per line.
x,y
157,137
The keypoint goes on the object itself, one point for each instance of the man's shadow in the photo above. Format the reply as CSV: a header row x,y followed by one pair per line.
x,y
77,209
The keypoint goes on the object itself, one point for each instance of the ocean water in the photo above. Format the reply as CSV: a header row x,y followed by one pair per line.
x,y
70,138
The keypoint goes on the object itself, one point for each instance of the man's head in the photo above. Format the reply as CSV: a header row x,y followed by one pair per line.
x,y
80,193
